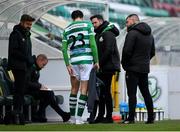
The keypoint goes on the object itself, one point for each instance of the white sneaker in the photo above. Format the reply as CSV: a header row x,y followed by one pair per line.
x,y
72,120
79,121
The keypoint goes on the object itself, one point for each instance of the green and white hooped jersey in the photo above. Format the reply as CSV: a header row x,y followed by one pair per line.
x,y
77,37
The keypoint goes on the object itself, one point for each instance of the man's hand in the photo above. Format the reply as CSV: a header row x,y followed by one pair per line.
x,y
96,66
70,70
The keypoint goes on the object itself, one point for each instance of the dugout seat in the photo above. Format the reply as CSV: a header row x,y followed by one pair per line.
x,y
6,90
6,87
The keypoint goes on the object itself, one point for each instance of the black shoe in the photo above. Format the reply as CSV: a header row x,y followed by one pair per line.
x,y
128,122
149,122
90,120
42,119
99,120
39,119
66,116
34,118
108,120
150,119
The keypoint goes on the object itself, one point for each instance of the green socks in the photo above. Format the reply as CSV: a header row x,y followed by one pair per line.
x,y
72,104
81,104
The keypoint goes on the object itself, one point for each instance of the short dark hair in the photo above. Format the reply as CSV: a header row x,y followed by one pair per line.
x,y
132,15
100,17
77,14
26,17
42,57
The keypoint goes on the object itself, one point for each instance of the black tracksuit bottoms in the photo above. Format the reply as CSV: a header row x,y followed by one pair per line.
x,y
47,98
134,79
19,89
105,99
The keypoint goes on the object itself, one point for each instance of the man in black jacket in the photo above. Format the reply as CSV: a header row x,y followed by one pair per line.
x,y
42,93
109,62
19,60
137,51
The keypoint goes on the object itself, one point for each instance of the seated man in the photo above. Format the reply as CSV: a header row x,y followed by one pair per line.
x,y
42,93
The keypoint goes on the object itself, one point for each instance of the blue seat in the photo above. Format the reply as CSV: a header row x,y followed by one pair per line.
x,y
124,110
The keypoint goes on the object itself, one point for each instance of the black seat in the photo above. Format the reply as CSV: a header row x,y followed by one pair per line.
x,y
7,86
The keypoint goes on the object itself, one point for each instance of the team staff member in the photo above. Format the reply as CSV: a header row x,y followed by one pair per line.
x,y
79,38
109,62
19,61
137,52
41,92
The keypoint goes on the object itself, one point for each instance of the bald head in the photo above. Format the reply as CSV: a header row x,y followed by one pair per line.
x,y
132,19
41,60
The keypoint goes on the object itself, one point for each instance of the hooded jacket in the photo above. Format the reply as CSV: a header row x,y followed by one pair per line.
x,y
109,59
138,48
20,49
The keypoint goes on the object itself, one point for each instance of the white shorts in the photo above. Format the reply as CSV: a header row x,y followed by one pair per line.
x,y
82,71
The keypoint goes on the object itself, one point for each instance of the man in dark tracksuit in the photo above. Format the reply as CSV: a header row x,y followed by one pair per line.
x,y
19,61
109,61
137,51
40,92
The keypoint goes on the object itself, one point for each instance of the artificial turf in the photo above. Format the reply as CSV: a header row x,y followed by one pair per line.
x,y
166,125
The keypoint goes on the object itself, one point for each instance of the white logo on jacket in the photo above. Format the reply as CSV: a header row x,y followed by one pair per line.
x,y
100,39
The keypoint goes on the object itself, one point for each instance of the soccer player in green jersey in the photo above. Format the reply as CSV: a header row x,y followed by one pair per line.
x,y
78,39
